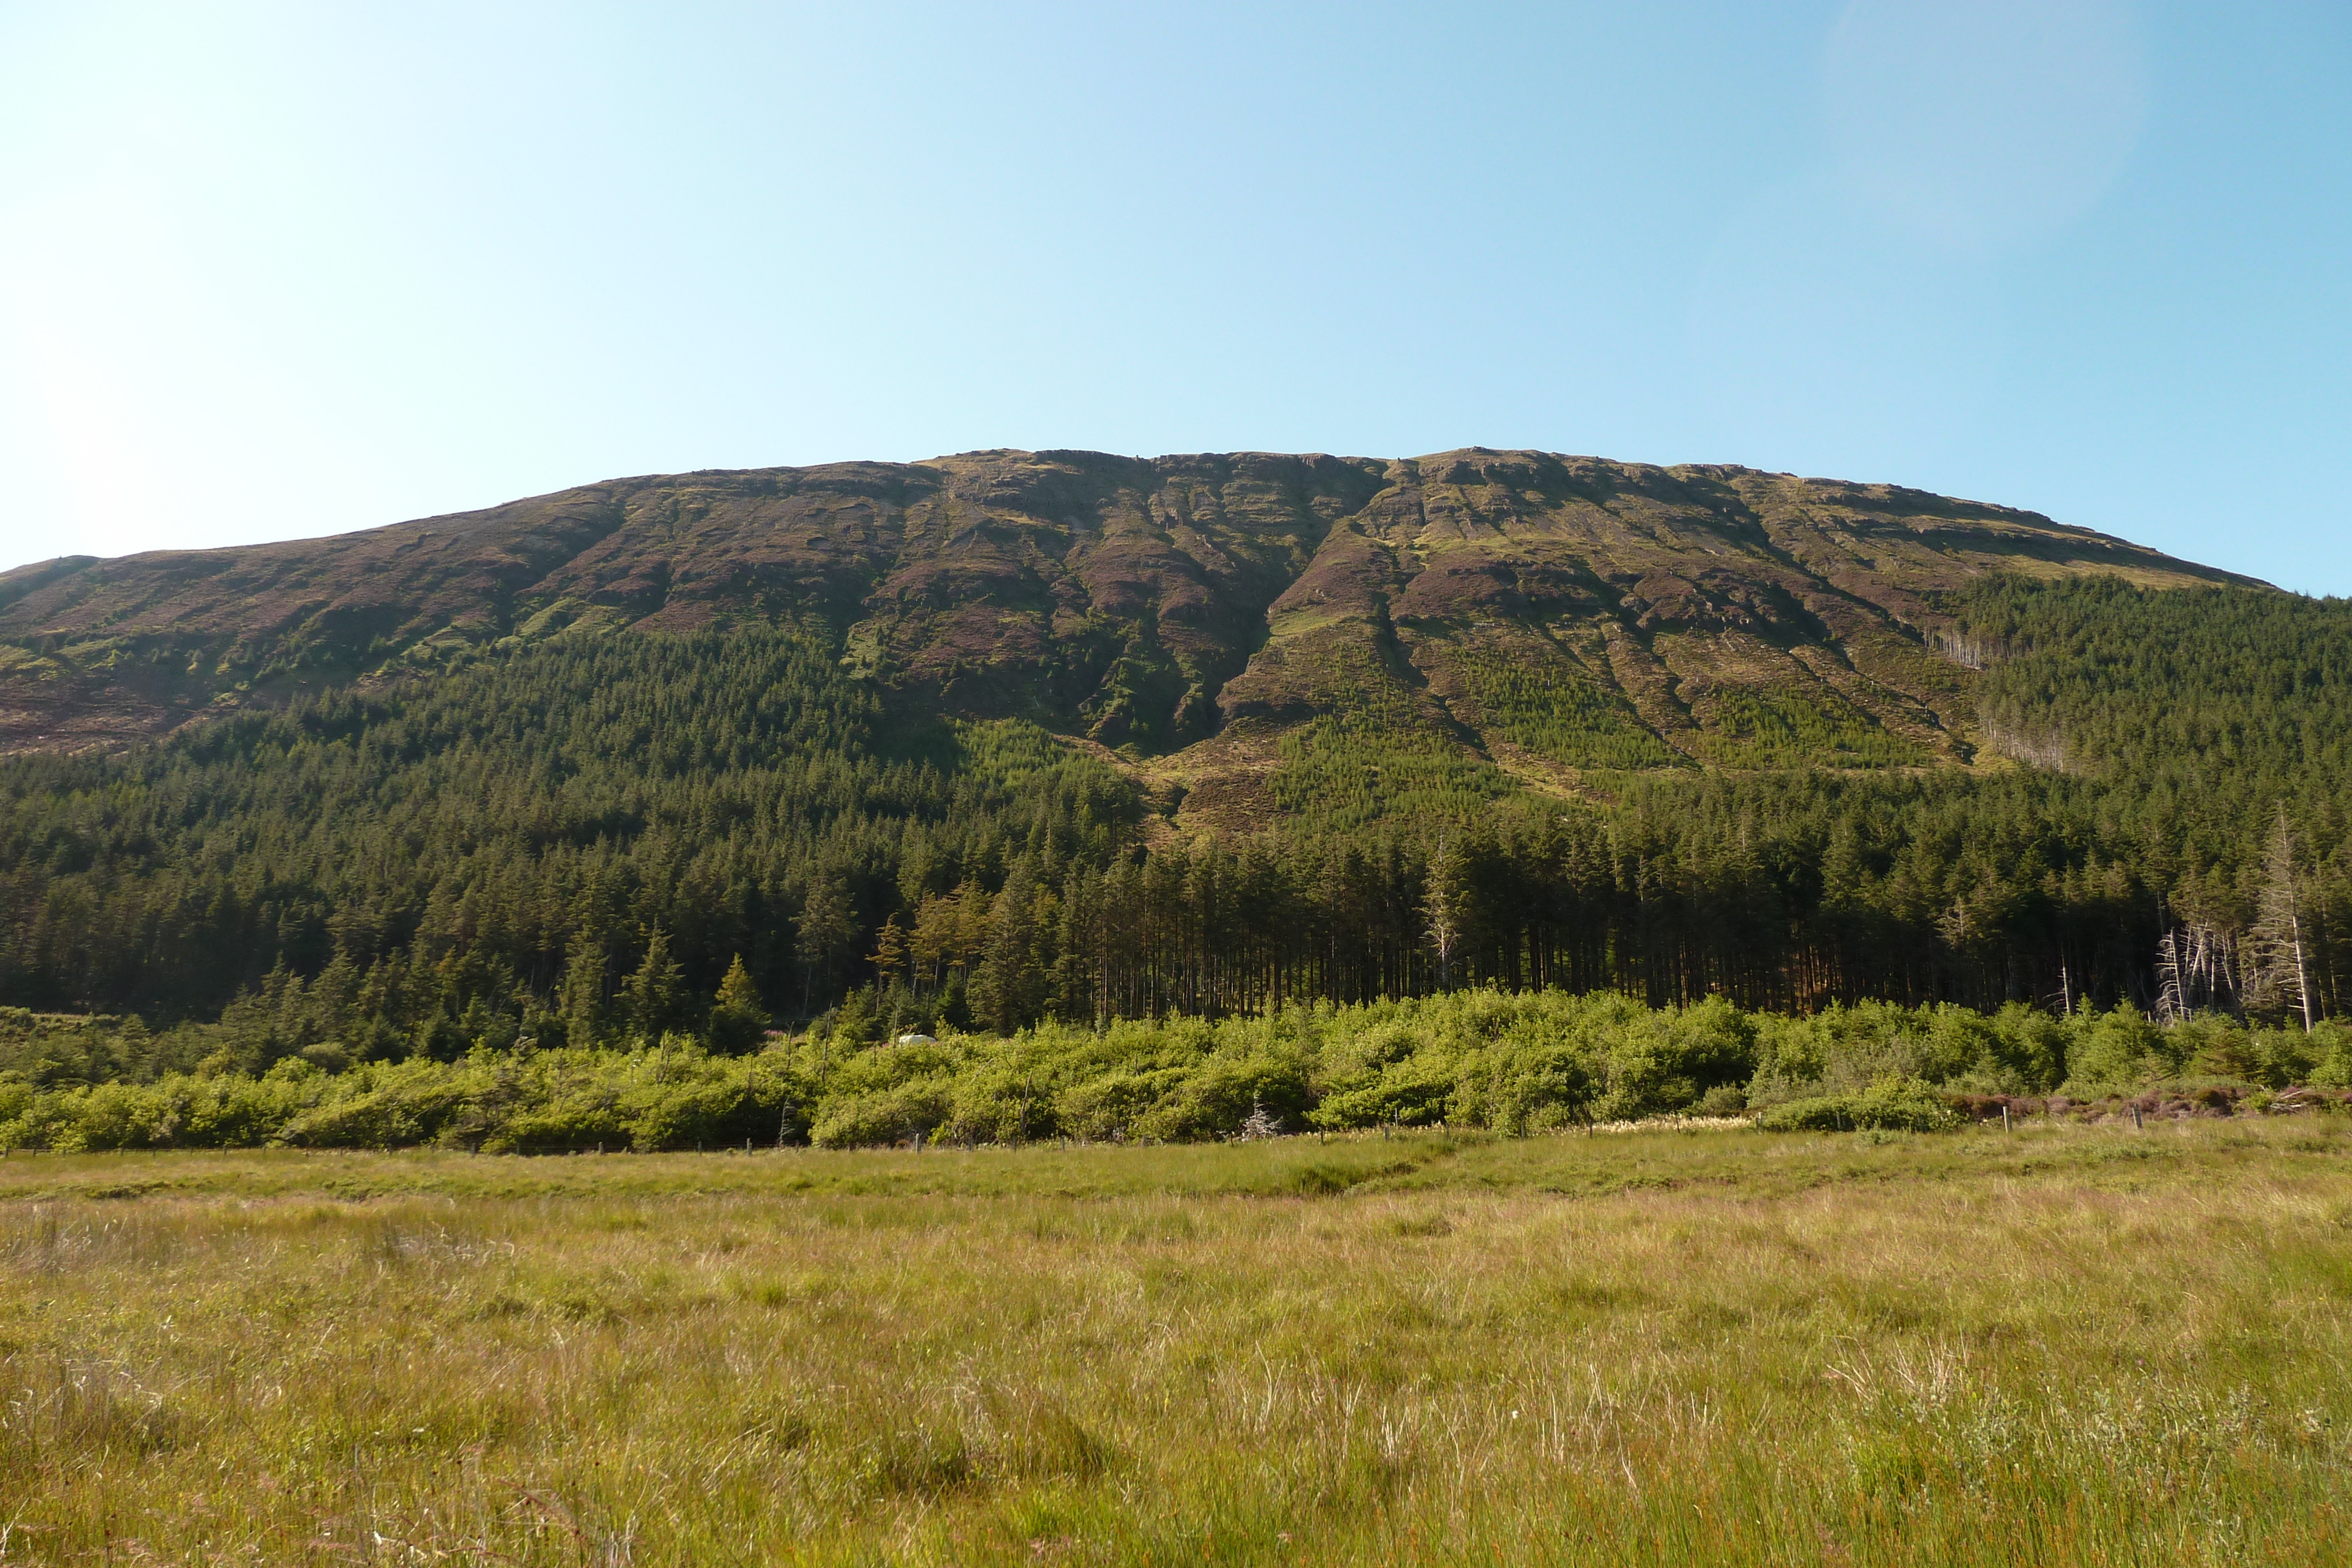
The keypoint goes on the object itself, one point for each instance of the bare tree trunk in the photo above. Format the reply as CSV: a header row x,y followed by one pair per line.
x,y
2277,939
2171,995
2301,976
1443,896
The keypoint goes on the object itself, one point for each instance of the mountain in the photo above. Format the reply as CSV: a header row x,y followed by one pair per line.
x,y
1218,621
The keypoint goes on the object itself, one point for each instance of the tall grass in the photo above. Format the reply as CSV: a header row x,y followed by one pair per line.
x,y
2073,1344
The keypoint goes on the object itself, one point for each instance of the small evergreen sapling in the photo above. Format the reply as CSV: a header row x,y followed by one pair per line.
x,y
739,1021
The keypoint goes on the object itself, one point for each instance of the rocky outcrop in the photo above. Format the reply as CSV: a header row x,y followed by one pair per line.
x,y
1556,612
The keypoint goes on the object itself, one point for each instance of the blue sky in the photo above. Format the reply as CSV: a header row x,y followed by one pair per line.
x,y
268,271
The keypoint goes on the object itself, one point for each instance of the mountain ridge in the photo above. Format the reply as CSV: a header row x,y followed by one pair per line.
x,y
1550,614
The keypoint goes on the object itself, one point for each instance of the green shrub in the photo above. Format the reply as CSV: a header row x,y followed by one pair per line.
x,y
1214,1101
1001,1104
1663,1062
2114,1052
1896,1105
407,1109
1411,1093
1107,1107
885,1116
2332,1050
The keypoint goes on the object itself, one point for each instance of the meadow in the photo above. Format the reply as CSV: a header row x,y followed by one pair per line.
x,y
2065,1343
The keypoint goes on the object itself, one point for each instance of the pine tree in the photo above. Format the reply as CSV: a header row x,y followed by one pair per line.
x,y
824,928
890,955
738,1020
650,998
1008,988
582,1001
934,943
972,907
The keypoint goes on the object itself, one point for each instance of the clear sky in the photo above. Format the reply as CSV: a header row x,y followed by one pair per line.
x,y
272,270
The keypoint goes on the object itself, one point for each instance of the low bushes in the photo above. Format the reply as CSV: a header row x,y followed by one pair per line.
x,y
1894,1105
1516,1064
671,1096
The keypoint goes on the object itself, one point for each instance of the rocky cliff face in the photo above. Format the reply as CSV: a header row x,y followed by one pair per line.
x,y
1548,614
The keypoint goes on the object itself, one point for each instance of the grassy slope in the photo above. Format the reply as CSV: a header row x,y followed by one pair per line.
x,y
2068,1345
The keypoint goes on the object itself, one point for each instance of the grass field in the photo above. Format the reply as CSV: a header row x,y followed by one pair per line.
x,y
2065,1344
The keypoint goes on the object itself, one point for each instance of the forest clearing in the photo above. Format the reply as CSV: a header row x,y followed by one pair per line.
x,y
2060,1344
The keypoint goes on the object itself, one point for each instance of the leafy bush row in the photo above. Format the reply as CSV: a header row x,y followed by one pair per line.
x,y
1513,1063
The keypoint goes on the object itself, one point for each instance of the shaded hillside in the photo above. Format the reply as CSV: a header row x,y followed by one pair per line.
x,y
1256,628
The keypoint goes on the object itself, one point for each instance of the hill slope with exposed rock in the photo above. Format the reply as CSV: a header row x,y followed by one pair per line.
x,y
1517,613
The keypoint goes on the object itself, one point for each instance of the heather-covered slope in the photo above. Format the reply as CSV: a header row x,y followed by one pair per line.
x,y
1471,616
